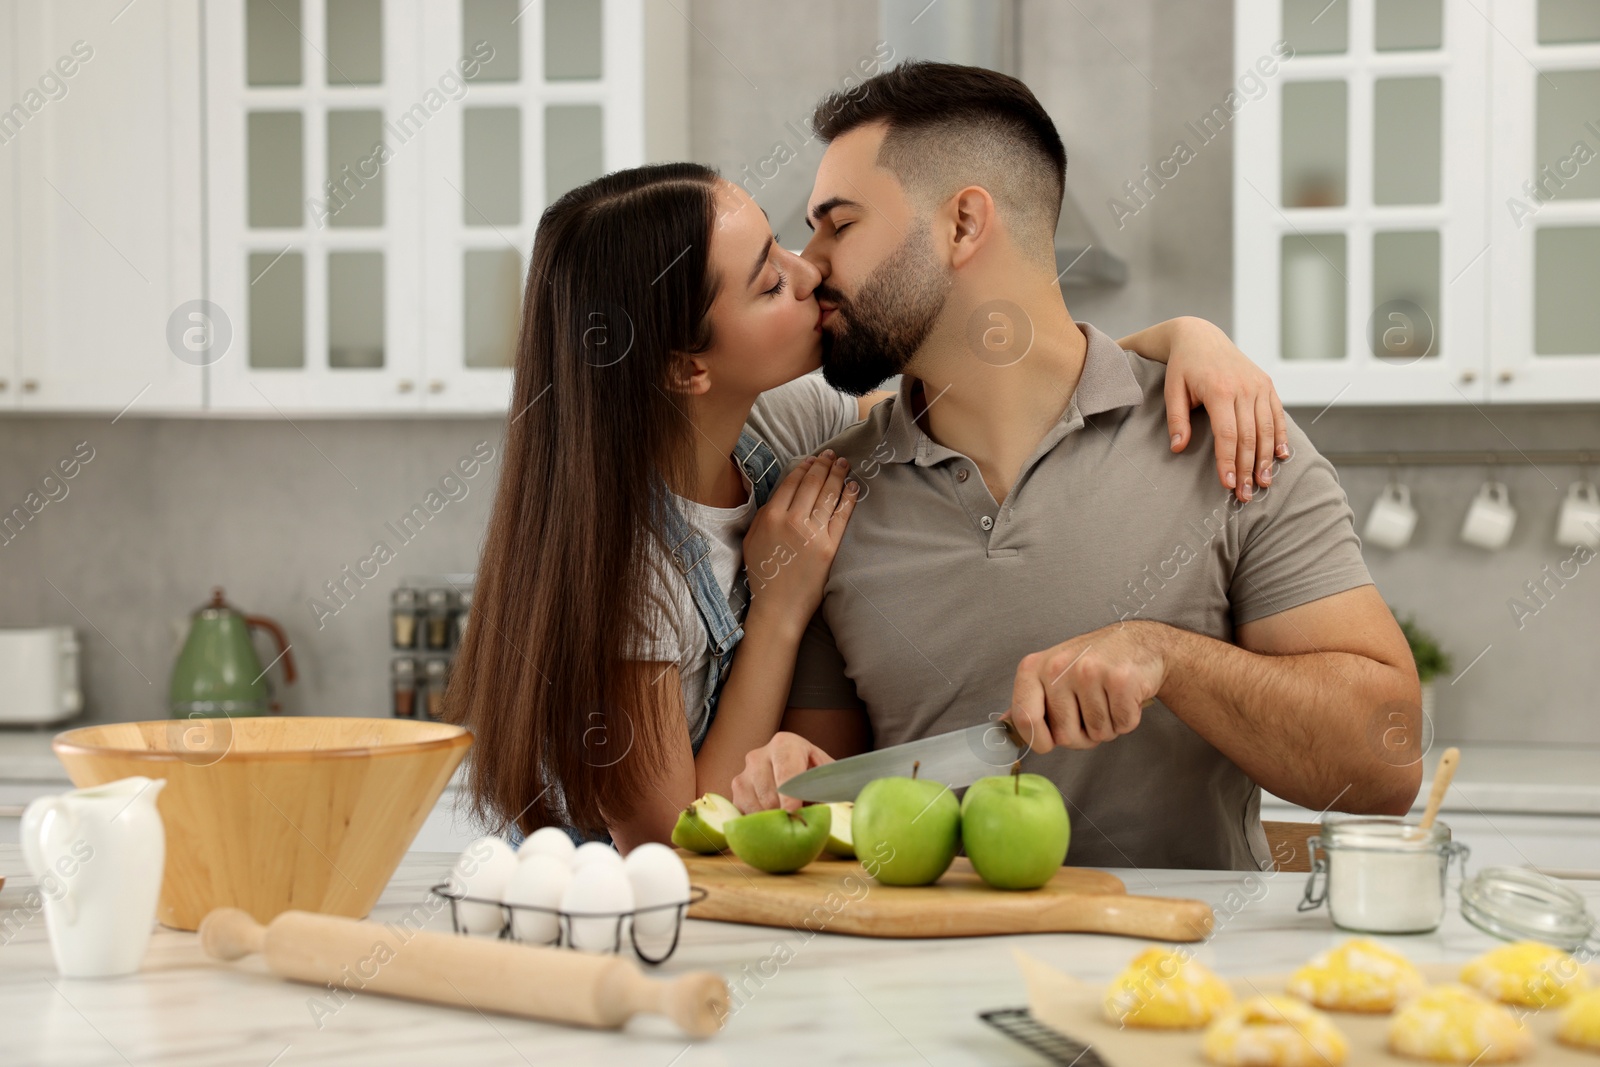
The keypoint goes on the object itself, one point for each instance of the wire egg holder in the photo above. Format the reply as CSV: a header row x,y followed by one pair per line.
x,y
563,938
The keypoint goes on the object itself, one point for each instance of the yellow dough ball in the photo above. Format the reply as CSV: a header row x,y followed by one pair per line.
x,y
1527,973
1274,1031
1454,1024
1166,990
1580,1021
1359,975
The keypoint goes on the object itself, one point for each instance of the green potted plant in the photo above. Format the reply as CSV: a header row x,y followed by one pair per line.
x,y
1432,660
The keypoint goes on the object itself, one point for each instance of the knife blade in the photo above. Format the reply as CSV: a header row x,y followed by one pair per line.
x,y
956,759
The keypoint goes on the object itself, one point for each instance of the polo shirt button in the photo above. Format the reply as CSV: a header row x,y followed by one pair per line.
x,y
961,474
986,522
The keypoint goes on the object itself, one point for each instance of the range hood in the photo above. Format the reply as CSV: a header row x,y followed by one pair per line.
x,y
984,33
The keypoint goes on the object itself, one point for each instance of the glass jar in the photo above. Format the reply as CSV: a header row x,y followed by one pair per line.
x,y
438,619
1381,874
403,618
403,669
1515,903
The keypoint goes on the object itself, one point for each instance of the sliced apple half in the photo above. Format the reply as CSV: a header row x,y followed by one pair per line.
x,y
839,842
700,827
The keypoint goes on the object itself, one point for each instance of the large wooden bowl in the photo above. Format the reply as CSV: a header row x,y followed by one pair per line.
x,y
280,812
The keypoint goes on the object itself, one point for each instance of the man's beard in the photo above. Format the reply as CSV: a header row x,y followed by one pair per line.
x,y
882,327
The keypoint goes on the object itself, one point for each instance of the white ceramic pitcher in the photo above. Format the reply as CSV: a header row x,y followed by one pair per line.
x,y
98,854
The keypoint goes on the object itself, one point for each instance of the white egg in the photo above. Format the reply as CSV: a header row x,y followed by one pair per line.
x,y
548,841
657,876
596,852
596,889
539,881
483,870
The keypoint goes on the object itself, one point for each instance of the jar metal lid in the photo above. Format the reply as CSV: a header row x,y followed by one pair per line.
x,y
1382,833
1515,903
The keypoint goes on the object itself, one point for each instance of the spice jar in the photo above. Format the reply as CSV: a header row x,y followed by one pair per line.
x,y
436,673
1517,904
1381,874
403,670
464,600
438,619
403,613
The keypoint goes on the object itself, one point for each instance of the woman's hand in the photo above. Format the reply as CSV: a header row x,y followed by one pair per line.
x,y
1206,368
789,548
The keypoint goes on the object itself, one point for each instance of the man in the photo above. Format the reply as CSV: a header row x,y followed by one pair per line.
x,y
1026,541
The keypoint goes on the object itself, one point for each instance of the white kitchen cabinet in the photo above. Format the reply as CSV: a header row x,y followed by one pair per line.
x,y
8,221
1545,211
102,142
322,184
377,168
1360,198
1417,200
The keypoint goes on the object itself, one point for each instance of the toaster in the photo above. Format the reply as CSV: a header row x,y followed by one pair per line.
x,y
39,675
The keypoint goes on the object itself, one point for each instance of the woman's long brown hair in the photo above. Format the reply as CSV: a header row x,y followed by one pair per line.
x,y
618,290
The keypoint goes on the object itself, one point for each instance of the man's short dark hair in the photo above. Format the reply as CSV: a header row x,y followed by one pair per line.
x,y
950,126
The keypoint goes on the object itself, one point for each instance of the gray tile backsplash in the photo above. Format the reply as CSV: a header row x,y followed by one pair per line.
x,y
168,508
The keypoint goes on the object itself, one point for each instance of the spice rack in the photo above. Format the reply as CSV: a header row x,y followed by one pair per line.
x,y
427,620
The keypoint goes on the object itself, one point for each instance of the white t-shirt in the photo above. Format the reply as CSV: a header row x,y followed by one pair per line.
x,y
794,420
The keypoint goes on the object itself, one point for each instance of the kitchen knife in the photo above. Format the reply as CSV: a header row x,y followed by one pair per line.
x,y
956,759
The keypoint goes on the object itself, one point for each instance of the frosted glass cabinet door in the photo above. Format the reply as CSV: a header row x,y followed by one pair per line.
x,y
1545,320
554,100
316,124
106,208
1360,205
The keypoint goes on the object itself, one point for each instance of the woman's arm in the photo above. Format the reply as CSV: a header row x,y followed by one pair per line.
x,y
1205,367
787,555
788,552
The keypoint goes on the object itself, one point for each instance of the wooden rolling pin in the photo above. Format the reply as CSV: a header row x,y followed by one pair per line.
x,y
536,982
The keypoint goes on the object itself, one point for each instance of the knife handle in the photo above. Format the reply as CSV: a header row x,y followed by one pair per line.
x,y
1023,744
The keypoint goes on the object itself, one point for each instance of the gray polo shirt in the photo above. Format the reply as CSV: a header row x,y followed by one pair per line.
x,y
937,592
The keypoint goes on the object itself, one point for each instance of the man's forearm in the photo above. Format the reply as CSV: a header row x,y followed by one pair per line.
x,y
1321,729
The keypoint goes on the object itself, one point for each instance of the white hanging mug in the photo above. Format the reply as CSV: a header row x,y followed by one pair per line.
x,y
1392,519
98,854
1579,519
1490,517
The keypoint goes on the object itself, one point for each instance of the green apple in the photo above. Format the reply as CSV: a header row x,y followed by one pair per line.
x,y
1015,829
700,826
839,843
905,829
779,841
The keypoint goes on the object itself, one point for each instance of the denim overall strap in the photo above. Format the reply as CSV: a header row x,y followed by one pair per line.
x,y
720,616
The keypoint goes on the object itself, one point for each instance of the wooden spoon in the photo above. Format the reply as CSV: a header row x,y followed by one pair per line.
x,y
1441,782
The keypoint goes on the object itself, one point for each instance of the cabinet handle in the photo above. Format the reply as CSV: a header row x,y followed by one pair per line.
x,y
11,811
4,384
436,386
405,385
1468,377
1504,377
29,385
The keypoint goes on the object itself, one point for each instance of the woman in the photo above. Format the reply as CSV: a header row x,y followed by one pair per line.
x,y
661,389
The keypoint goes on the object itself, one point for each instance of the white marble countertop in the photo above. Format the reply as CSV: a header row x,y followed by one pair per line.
x,y
839,999
25,754
1512,779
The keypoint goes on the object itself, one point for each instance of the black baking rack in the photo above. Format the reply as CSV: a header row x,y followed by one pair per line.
x,y
563,938
1020,1026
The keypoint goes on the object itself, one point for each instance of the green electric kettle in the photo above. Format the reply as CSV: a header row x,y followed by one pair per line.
x,y
218,672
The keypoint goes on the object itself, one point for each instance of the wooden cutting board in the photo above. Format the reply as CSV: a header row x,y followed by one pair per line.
x,y
838,896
